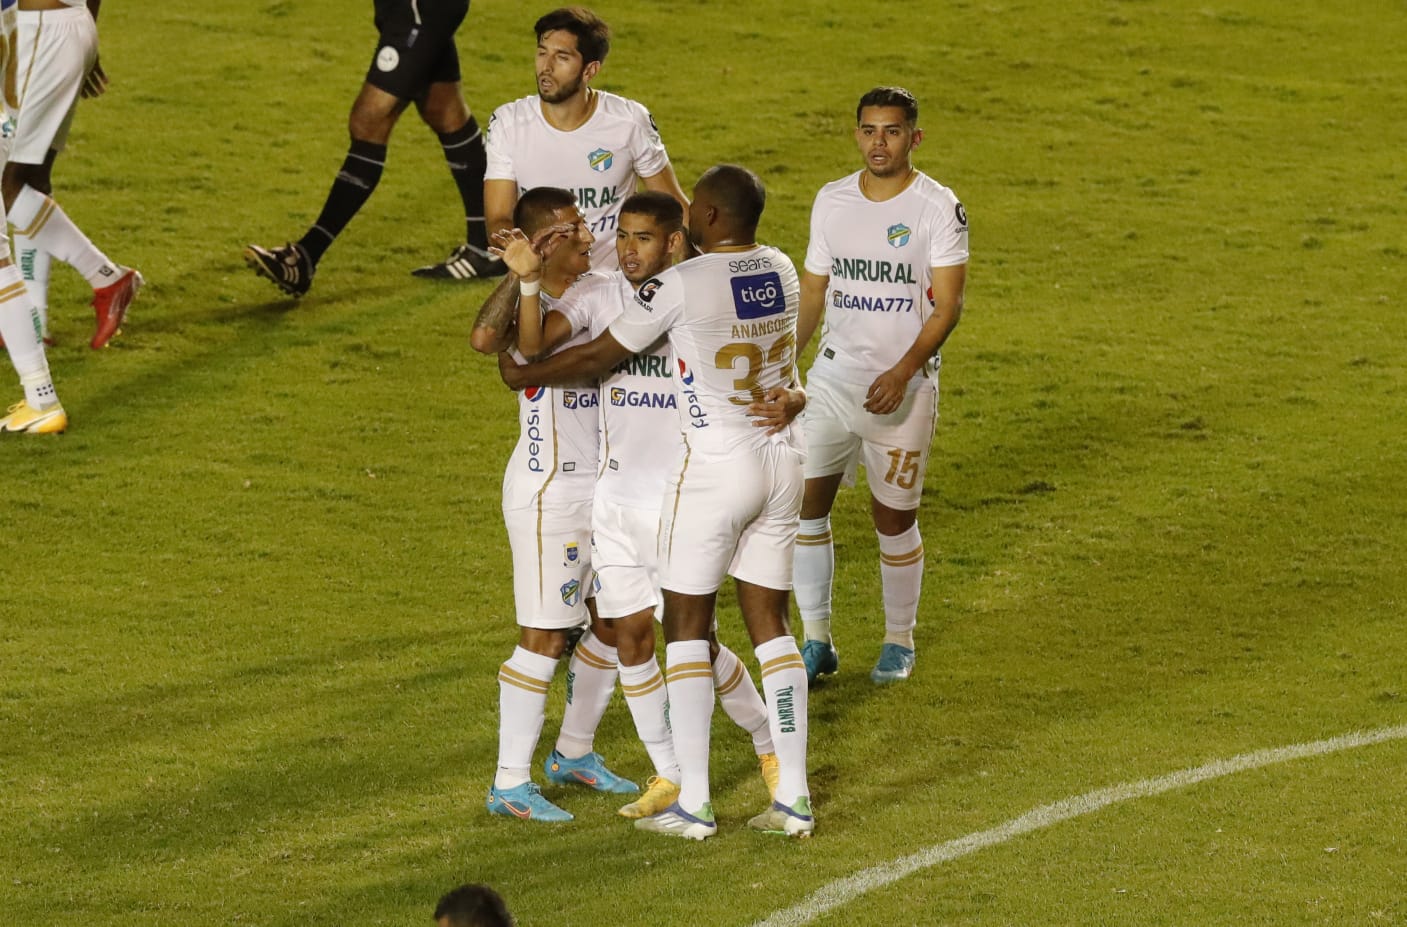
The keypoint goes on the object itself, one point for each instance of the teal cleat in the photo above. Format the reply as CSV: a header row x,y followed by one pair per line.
x,y
895,664
821,659
676,822
526,803
587,770
794,821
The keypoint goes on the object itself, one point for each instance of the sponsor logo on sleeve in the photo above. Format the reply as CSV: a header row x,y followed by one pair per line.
x,y
961,214
758,295
646,294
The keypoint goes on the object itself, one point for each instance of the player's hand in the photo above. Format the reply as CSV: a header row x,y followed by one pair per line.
x,y
510,371
94,82
551,238
886,392
777,409
518,253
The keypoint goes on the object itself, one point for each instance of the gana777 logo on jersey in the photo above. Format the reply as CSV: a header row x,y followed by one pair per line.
x,y
757,296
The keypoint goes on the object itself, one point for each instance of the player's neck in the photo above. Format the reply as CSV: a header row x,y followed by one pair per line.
x,y
571,113
879,189
555,283
729,245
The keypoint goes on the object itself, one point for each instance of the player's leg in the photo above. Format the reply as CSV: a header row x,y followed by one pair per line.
x,y
896,460
646,696
591,679
34,262
60,54
40,411
743,703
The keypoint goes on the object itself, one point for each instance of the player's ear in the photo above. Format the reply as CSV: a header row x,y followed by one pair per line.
x,y
917,137
675,244
590,71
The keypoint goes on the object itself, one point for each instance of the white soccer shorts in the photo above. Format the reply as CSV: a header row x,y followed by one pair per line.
x,y
552,575
57,49
894,448
735,516
625,555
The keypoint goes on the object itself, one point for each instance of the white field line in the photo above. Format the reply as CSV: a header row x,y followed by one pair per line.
x,y
851,887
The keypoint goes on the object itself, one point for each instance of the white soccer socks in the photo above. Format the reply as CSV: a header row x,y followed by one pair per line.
x,y
784,686
591,679
35,263
813,569
741,700
901,576
19,326
522,704
689,678
648,702
39,219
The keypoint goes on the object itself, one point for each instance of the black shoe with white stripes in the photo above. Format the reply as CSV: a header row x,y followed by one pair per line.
x,y
465,262
289,267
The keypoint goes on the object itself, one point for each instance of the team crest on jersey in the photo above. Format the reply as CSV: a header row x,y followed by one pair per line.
x,y
571,553
387,59
534,393
571,592
899,235
601,160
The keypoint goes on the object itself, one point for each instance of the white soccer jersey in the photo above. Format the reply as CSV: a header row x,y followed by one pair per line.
x,y
599,161
555,458
878,257
731,322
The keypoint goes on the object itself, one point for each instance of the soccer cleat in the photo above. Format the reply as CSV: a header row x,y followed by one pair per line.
x,y
821,659
110,304
796,821
289,267
465,262
526,803
771,772
895,664
24,418
660,793
676,822
587,770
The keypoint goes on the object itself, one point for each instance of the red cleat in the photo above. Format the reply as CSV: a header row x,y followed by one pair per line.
x,y
110,304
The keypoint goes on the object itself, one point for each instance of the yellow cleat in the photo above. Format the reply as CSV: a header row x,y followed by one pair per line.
x,y
23,417
771,772
660,793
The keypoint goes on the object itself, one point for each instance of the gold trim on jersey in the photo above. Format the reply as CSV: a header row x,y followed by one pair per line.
x,y
678,491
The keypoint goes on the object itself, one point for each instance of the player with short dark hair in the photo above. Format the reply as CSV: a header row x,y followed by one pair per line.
x,y
416,62
472,906
886,266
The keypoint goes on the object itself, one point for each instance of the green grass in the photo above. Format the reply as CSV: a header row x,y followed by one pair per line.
x,y
256,597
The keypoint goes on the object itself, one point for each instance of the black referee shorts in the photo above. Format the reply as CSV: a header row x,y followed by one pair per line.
x,y
417,45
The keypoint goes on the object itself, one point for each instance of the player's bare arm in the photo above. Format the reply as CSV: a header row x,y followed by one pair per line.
x,y
888,389
583,362
493,327
500,196
811,308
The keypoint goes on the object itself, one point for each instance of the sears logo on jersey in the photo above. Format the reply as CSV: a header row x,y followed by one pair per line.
x,y
698,418
600,160
758,295
899,235
571,592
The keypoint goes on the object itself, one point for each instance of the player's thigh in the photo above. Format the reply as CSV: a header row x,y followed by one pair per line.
x,y
54,59
896,448
706,507
416,46
829,426
551,564
766,545
624,541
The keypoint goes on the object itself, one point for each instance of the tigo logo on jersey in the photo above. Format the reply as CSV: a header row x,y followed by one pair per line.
x,y
571,592
758,295
899,235
571,553
601,160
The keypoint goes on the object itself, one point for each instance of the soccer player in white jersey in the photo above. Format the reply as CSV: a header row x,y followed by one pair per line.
x,y
886,264
732,501
39,412
641,441
58,61
547,492
592,142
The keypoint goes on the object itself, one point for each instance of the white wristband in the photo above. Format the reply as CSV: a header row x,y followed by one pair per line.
x,y
529,287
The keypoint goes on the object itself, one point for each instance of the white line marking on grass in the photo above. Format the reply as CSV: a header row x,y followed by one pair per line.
x,y
851,887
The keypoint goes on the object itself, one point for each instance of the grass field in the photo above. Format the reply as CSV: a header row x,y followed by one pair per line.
x,y
256,597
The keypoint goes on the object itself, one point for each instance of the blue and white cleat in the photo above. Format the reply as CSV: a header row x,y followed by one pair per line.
x,y
895,664
676,822
794,821
525,802
589,770
821,659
